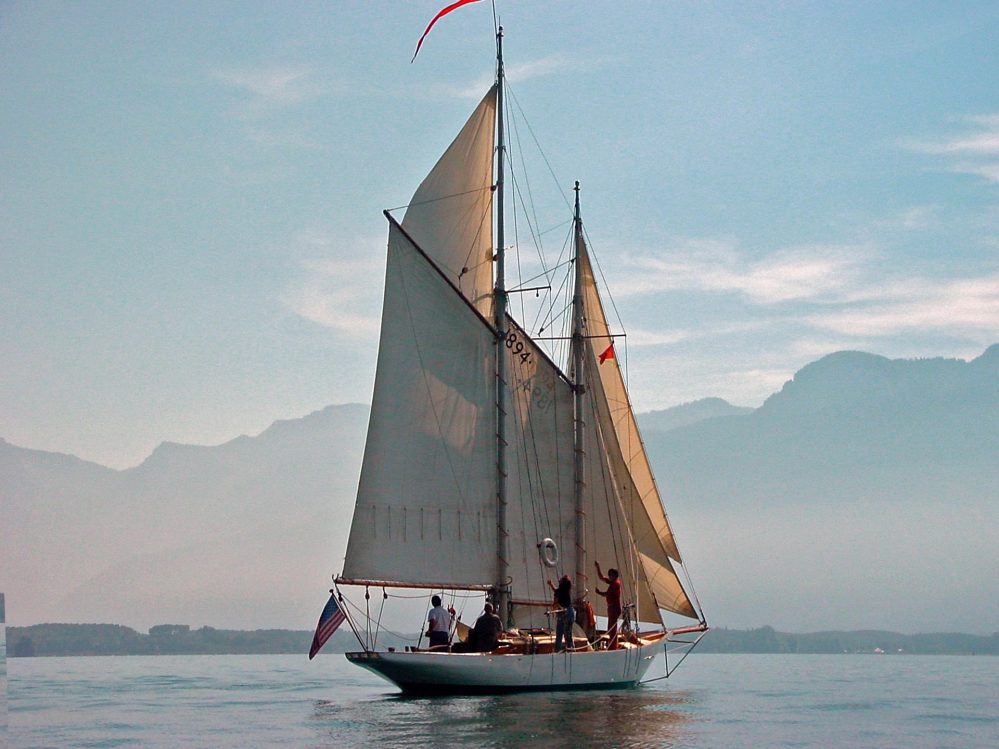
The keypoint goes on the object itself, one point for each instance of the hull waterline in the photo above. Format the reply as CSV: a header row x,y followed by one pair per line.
x,y
478,673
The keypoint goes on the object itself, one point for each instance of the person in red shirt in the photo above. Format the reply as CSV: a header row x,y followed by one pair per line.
x,y
613,596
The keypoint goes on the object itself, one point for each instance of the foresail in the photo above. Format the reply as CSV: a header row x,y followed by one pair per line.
x,y
450,215
609,539
653,567
627,462
426,503
540,471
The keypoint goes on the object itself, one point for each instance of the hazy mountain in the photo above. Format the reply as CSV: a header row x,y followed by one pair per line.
x,y
864,494
689,413
242,534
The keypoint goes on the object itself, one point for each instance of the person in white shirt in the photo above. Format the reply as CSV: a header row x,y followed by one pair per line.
x,y
439,619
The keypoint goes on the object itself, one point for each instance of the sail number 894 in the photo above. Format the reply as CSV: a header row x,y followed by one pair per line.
x,y
517,346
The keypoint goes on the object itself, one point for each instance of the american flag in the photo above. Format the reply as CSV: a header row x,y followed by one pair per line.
x,y
331,618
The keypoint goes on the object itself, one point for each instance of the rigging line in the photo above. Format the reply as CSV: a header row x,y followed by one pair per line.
x,y
551,171
544,274
603,278
535,236
553,228
537,457
516,236
487,212
529,471
357,609
512,128
426,384
545,316
440,198
533,212
607,483
562,289
564,309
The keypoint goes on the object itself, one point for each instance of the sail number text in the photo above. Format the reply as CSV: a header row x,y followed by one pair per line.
x,y
517,346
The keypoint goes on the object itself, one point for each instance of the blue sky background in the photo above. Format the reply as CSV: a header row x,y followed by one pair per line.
x,y
191,238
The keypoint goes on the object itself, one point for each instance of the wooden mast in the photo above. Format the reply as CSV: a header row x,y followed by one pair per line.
x,y
579,388
500,310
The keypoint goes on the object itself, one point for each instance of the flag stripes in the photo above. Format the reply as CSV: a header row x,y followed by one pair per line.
x,y
331,618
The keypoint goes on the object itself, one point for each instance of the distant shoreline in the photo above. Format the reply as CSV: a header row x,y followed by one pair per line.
x,y
52,640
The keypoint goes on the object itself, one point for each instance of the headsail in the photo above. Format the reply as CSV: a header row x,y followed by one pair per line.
x,y
626,458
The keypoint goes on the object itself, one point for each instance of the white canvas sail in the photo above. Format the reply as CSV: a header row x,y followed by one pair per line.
x,y
627,463
450,215
426,504
540,472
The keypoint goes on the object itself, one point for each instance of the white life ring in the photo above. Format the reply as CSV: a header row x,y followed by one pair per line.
x,y
549,552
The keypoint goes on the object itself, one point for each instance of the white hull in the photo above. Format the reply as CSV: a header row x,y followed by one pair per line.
x,y
466,673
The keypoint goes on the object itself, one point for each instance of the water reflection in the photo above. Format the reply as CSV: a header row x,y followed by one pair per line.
x,y
644,717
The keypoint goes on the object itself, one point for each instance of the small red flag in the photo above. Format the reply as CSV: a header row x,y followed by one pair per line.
x,y
608,353
448,9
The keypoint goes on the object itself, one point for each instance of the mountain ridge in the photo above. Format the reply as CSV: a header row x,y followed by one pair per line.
x,y
827,500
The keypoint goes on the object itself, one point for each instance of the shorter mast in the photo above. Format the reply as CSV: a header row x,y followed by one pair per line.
x,y
579,388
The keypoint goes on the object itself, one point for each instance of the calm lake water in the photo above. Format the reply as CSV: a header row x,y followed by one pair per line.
x,y
714,701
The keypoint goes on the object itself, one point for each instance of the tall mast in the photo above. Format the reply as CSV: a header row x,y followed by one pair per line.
x,y
500,307
578,390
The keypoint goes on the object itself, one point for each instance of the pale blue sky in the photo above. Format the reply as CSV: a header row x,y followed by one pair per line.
x,y
191,234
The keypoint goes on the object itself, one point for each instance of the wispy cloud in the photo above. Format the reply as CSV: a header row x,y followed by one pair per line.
x,y
826,296
640,337
272,87
545,66
963,306
341,293
795,274
978,149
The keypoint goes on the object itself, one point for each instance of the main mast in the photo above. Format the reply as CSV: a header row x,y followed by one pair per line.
x,y
500,307
577,396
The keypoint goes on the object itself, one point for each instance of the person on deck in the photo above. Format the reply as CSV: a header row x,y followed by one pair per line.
x,y
484,636
613,596
439,623
566,613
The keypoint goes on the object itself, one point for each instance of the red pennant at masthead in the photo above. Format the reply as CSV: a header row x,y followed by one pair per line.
x,y
448,9
608,353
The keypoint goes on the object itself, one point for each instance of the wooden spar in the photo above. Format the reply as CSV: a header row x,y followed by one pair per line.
x,y
577,396
499,308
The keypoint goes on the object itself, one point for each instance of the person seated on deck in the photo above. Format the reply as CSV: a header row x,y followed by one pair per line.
x,y
484,636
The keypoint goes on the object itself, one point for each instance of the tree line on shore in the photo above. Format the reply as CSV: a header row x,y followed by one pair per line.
x,y
179,639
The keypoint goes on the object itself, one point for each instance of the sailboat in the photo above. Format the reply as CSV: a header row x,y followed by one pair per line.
x,y
489,469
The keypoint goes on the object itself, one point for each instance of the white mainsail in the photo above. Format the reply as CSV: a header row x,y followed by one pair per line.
x,y
425,502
